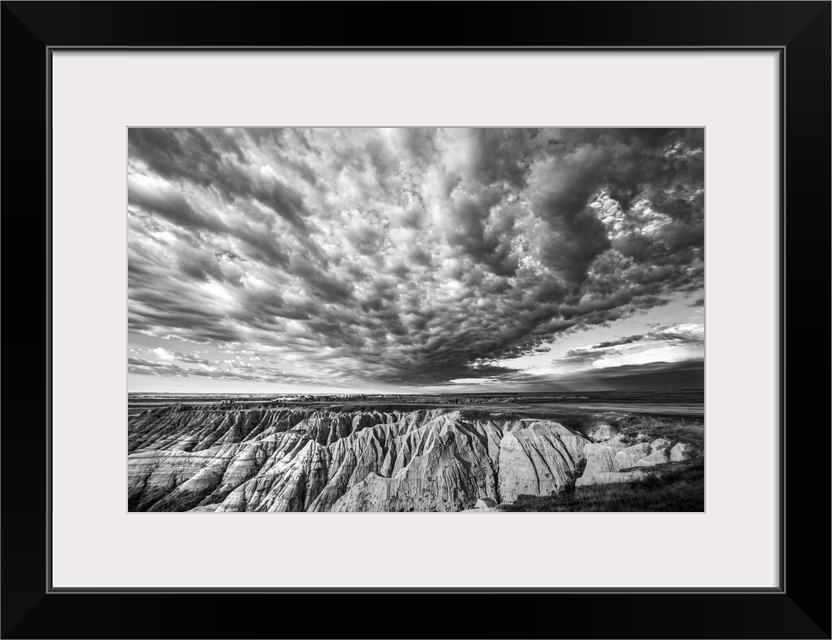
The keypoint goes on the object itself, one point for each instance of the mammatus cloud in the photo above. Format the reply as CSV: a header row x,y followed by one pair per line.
x,y
403,256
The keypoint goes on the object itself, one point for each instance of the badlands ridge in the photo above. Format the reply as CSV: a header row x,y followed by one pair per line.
x,y
234,457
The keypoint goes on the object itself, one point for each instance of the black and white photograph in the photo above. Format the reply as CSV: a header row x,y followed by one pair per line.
x,y
480,320
429,304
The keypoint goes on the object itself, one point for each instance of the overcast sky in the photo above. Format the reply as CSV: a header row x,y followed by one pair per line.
x,y
344,260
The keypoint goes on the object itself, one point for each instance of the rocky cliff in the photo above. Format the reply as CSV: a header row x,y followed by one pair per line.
x,y
226,457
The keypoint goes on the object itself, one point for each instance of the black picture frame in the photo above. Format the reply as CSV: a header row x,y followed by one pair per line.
x,y
798,608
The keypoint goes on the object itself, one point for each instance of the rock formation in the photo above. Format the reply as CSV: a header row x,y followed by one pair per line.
x,y
231,456
659,456
660,444
226,457
683,451
627,458
602,432
613,461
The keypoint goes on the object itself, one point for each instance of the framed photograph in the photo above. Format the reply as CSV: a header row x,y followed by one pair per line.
x,y
495,306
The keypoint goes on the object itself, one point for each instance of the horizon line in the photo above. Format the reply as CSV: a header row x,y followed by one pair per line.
x,y
442,393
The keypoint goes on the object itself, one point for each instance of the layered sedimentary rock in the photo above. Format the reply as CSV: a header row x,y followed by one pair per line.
x,y
660,444
683,451
659,456
613,461
627,458
600,457
602,432
539,459
226,457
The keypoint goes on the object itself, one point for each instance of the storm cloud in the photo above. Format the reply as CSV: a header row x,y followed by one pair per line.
x,y
408,257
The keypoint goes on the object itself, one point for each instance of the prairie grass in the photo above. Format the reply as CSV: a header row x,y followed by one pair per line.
x,y
676,486
677,429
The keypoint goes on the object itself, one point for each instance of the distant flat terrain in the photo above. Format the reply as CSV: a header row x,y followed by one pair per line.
x,y
645,408
670,403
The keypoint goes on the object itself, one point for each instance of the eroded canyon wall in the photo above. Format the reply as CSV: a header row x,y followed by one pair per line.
x,y
228,457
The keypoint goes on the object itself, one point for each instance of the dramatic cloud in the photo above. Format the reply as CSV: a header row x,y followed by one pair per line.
x,y
683,374
404,257
667,344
